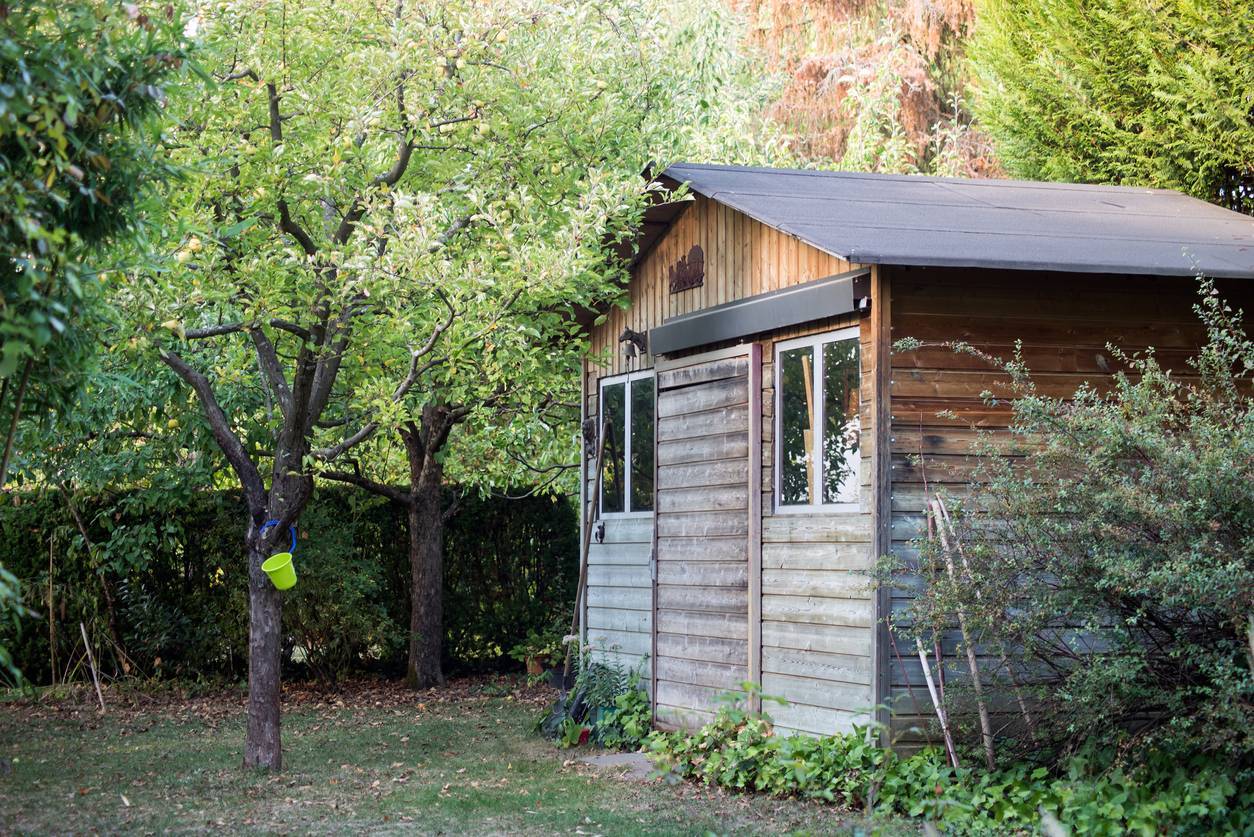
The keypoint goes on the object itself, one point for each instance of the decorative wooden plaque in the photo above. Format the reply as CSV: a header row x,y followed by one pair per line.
x,y
689,271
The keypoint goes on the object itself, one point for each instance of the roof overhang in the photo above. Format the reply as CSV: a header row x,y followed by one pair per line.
x,y
831,296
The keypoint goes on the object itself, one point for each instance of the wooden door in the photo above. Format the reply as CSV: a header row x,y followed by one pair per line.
x,y
707,625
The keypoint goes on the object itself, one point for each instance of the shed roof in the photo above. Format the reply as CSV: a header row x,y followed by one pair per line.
x,y
1012,224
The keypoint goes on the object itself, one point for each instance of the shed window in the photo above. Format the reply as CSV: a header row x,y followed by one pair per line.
x,y
627,465
817,421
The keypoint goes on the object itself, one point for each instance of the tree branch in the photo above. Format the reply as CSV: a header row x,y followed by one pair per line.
x,y
213,331
273,370
245,470
391,492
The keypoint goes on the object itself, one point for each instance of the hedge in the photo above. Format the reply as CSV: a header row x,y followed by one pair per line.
x,y
177,577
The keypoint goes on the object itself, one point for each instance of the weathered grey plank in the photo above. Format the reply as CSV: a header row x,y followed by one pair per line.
x,y
814,720
619,619
627,642
708,498
697,623
700,672
619,553
854,613
717,445
701,549
825,583
722,472
817,556
852,698
703,573
697,399
835,528
629,529
623,598
709,649
702,525
702,373
686,696
693,425
707,599
672,717
852,669
617,575
806,636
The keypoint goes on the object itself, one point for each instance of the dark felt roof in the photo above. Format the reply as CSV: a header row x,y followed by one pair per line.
x,y
916,220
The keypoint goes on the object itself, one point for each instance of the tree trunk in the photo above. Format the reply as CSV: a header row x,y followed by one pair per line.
x,y
262,747
426,562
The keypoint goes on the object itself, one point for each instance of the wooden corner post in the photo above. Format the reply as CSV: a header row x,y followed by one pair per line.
x,y
881,472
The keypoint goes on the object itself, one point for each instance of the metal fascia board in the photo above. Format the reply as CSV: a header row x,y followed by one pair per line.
x,y
827,297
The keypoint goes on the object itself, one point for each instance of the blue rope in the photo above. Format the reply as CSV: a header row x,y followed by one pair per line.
x,y
292,529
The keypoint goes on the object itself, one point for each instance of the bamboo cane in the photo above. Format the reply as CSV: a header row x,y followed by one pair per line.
x,y
1001,650
589,516
986,727
940,710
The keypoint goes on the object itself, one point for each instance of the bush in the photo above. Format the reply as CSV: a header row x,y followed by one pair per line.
x,y
606,705
177,572
1092,795
1109,571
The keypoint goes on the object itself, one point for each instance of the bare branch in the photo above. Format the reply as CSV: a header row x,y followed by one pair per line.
x,y
389,491
245,470
295,230
213,331
291,328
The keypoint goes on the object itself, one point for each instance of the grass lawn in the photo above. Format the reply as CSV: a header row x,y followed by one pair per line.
x,y
373,758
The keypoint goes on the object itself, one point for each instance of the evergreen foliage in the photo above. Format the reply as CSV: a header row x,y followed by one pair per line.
x,y
1121,91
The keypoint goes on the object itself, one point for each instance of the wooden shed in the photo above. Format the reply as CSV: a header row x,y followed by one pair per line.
x,y
763,435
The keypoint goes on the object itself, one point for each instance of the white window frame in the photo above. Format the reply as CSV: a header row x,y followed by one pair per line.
x,y
814,342
627,378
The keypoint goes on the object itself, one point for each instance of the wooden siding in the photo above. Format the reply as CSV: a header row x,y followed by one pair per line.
x,y
816,607
1065,322
742,258
702,632
818,615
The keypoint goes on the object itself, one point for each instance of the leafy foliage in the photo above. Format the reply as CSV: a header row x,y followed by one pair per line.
x,y
1113,91
1092,795
1110,569
82,86
607,704
872,85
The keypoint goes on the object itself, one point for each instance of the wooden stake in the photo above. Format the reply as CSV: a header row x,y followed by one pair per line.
x,y
91,660
52,621
936,703
986,726
589,518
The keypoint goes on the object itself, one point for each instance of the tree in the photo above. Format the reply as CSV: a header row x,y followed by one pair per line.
x,y
498,405
388,198
1144,94
873,85
82,84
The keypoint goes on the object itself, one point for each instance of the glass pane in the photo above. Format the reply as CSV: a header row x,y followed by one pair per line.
x,y
642,445
796,424
841,426
613,479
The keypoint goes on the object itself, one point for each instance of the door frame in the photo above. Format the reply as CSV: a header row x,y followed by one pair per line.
x,y
753,352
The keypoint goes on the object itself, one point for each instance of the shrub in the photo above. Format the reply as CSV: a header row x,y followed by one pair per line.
x,y
1108,572
1092,795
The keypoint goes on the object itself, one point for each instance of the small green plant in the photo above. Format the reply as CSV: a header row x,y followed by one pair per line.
x,y
625,725
573,734
607,700
1095,794
541,646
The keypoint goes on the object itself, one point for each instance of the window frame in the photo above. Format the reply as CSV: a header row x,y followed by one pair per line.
x,y
815,343
627,378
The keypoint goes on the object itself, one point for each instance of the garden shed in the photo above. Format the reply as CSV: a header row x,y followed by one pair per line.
x,y
765,444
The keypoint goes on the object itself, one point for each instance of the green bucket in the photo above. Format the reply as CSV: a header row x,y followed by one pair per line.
x,y
280,569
